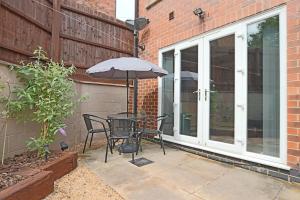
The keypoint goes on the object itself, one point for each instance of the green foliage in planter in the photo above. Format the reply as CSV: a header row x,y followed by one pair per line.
x,y
47,97
4,114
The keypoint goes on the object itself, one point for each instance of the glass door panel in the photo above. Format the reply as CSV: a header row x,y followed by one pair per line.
x,y
168,92
225,90
189,91
263,116
222,89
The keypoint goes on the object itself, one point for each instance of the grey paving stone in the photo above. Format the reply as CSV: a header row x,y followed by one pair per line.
x,y
182,175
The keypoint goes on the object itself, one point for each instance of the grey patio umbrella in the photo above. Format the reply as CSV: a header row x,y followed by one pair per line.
x,y
126,68
185,76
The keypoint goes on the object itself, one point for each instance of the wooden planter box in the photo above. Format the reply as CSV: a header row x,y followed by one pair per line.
x,y
41,184
62,166
36,187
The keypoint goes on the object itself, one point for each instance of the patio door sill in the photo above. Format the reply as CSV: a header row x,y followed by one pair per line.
x,y
246,158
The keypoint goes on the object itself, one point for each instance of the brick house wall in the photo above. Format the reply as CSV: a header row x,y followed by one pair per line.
x,y
105,6
161,32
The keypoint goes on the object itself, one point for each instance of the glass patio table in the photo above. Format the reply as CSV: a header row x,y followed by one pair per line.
x,y
122,124
127,116
126,126
126,122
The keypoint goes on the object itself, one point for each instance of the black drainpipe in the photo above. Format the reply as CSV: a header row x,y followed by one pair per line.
x,y
136,54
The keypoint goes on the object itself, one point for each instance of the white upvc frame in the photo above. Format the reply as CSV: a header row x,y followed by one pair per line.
x,y
280,162
236,146
177,99
281,12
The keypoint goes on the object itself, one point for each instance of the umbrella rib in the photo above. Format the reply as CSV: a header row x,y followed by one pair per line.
x,y
113,72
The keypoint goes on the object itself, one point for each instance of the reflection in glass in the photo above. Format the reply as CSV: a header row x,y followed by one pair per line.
x,y
222,64
168,92
263,87
188,97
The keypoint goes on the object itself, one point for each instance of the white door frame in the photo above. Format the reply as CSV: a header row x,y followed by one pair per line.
x,y
280,162
238,106
177,93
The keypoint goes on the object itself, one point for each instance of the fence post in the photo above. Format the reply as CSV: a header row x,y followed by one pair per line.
x,y
55,34
0,15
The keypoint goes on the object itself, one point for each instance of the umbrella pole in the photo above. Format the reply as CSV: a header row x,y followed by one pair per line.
x,y
127,86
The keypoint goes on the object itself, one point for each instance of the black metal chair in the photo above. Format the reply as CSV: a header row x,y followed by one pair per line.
x,y
131,144
125,113
120,129
153,132
89,119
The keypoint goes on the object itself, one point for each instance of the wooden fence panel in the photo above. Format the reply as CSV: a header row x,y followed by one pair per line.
x,y
67,31
38,12
20,32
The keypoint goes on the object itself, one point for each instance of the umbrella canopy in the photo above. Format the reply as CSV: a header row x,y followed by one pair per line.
x,y
185,76
126,68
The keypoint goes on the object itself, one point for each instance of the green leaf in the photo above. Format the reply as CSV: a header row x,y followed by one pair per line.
x,y
47,96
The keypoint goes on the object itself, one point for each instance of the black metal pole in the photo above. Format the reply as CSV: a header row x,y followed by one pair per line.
x,y
127,86
136,54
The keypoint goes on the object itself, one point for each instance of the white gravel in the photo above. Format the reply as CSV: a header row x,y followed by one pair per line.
x,y
82,184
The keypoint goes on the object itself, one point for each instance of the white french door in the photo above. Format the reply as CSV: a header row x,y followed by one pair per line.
x,y
187,84
222,90
226,90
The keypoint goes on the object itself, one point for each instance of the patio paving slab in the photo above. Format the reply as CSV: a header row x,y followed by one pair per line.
x,y
182,175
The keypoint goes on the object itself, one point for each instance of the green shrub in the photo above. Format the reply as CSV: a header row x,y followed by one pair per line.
x,y
46,96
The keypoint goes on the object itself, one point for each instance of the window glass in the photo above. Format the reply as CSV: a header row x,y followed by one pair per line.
x,y
263,122
168,92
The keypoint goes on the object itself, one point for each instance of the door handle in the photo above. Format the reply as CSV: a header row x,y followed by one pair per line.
x,y
240,71
241,142
241,36
198,92
240,106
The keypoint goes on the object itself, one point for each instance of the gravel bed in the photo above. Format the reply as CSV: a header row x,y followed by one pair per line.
x,y
8,179
82,184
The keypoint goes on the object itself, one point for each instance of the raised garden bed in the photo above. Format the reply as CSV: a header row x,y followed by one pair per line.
x,y
61,166
27,177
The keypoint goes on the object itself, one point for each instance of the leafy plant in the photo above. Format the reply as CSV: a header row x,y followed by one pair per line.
x,y
4,114
47,97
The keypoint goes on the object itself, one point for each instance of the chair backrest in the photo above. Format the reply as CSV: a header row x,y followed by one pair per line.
x,y
88,122
125,113
120,126
162,120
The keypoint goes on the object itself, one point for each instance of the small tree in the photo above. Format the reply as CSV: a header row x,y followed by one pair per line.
x,y
47,97
4,114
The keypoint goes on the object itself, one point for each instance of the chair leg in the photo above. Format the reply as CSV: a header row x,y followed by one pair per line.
x,y
87,136
162,144
160,141
91,139
110,147
133,157
139,145
106,152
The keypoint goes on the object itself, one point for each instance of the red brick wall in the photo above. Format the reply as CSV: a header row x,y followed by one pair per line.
x,y
105,6
161,32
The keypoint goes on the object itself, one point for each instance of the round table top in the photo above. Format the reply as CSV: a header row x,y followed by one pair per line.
x,y
126,116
